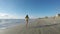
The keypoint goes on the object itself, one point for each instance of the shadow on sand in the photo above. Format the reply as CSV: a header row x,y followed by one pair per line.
x,y
41,26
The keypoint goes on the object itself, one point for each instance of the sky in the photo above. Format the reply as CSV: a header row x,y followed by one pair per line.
x,y
18,9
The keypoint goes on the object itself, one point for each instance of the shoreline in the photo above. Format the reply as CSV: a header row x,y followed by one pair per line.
x,y
15,29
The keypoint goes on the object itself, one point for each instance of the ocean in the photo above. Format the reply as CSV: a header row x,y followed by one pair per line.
x,y
5,23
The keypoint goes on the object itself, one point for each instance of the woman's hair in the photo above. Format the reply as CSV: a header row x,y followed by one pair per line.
x,y
27,16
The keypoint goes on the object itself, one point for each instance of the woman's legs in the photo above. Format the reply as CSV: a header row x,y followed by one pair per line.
x,y
26,23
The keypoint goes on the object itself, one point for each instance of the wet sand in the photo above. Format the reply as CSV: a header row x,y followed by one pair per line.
x,y
12,30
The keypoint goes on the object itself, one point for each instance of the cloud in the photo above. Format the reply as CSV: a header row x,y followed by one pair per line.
x,y
8,16
3,14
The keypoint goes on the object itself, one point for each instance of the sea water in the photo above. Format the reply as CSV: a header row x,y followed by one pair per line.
x,y
4,23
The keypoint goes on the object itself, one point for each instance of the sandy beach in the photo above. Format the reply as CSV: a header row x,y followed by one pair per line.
x,y
39,26
12,30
